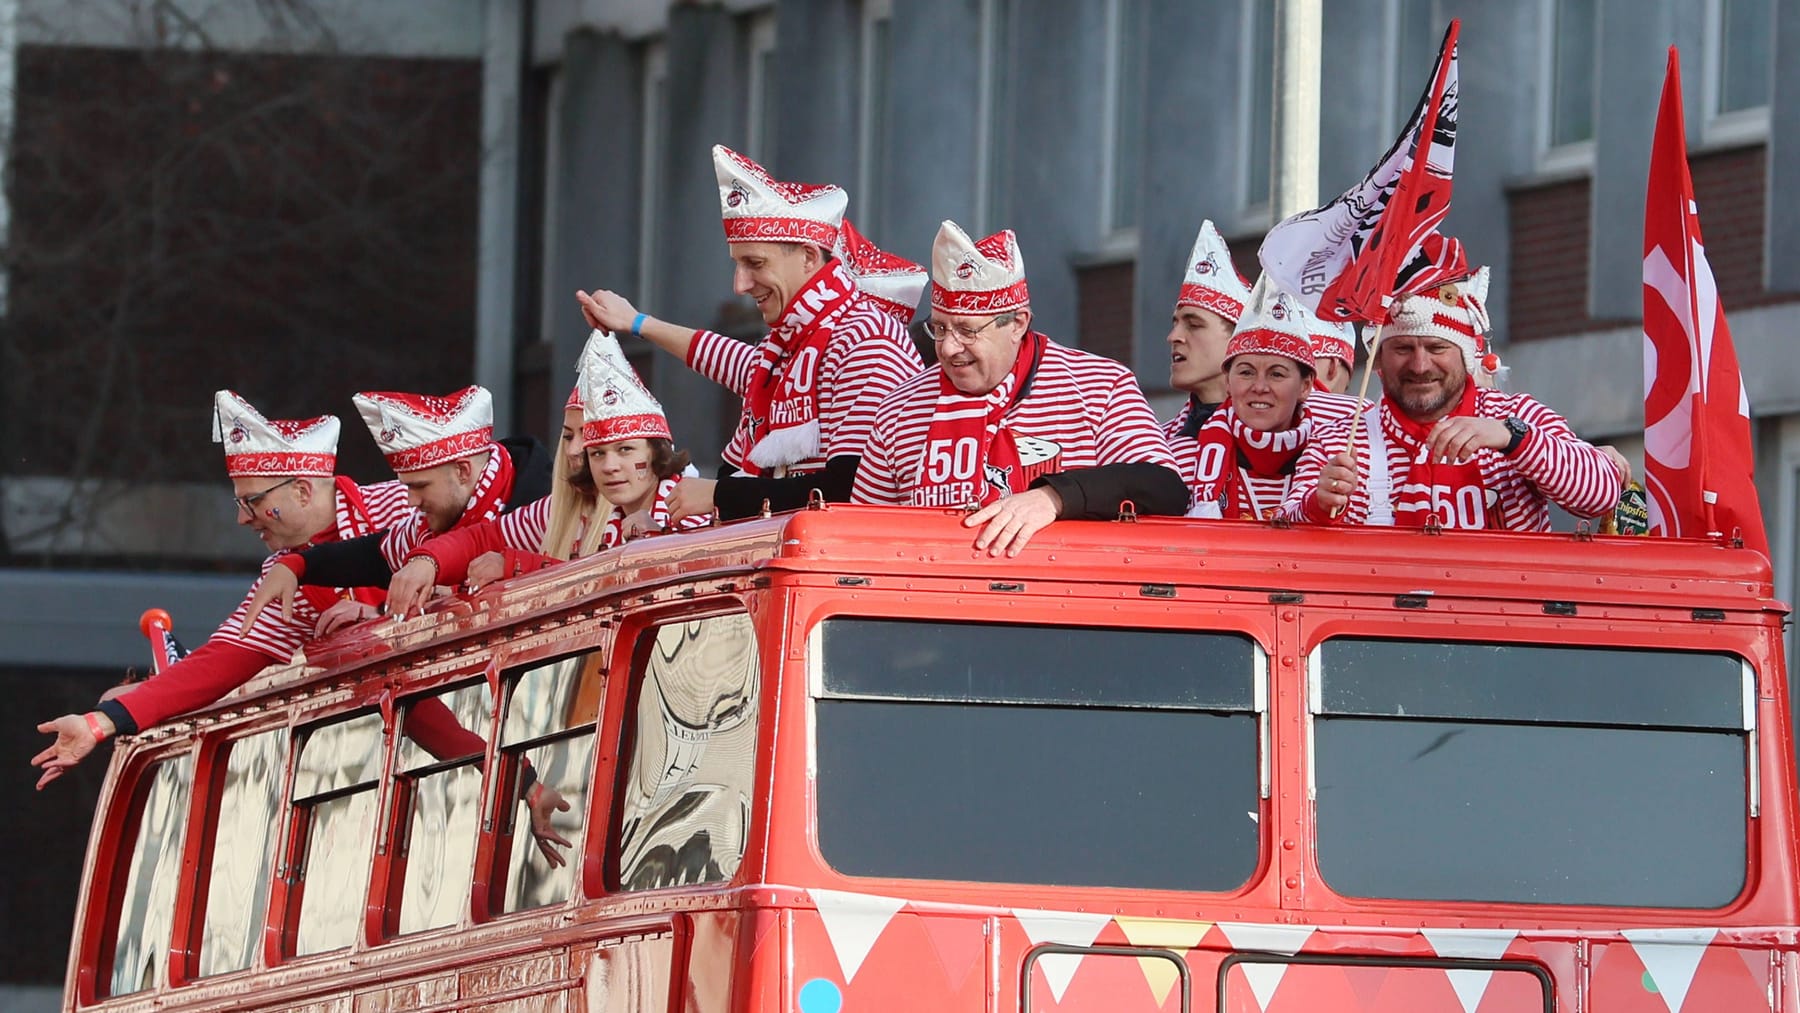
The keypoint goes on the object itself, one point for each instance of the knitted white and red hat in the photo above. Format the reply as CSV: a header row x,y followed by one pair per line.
x,y
757,208
419,431
1212,281
615,403
1274,323
890,281
972,279
1455,312
278,447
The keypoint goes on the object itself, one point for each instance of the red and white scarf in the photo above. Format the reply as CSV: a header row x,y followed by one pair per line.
x,y
1245,471
487,502
782,401
969,457
1454,495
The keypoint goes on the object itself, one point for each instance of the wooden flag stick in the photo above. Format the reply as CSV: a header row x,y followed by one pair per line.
x,y
1362,396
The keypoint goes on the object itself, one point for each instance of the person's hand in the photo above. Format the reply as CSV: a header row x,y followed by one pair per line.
x,y
1619,461
691,497
638,525
487,568
74,740
279,583
1456,438
1337,480
345,613
608,311
411,586
1008,523
544,802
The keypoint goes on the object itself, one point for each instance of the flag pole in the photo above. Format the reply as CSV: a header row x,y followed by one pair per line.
x,y
1362,395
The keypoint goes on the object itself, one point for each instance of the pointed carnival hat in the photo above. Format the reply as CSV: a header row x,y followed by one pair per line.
x,y
757,208
1212,281
1331,340
286,447
1274,323
615,403
890,281
971,278
1456,312
419,431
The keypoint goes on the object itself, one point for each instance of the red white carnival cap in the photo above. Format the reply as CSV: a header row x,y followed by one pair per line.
x,y
279,447
1212,281
1274,323
758,208
615,403
419,431
890,281
972,279
1455,312
1331,340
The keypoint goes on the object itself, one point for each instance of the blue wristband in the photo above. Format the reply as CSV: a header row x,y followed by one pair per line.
x,y
637,324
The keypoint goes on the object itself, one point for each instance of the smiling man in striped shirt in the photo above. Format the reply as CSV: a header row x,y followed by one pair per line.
x,y
1026,430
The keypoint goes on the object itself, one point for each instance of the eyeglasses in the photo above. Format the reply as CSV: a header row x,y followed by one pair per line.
x,y
248,503
941,332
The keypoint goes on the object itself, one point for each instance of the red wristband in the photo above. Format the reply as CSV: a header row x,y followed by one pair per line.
x,y
93,723
536,792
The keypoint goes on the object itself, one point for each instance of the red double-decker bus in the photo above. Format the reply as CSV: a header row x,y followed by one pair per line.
x,y
838,761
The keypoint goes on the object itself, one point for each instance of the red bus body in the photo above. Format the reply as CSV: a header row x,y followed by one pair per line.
x,y
759,916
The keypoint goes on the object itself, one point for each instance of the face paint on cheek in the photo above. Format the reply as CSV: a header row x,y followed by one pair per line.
x,y
274,513
641,467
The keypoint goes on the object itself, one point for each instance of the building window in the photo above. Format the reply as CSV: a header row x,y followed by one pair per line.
x,y
1417,29
873,53
1257,104
655,115
1738,75
1122,147
993,90
759,116
1572,25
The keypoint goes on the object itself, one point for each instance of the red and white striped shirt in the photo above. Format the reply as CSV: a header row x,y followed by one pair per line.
x,y
523,529
1266,494
868,354
1552,465
385,504
405,535
1086,410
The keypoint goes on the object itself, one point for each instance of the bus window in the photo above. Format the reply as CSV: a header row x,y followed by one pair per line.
x,y
550,719
438,795
684,804
237,885
152,877
1531,774
334,816
1078,756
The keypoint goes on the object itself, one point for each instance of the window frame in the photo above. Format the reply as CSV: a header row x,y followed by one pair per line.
x,y
1721,128
114,841
1114,101
1570,156
872,101
214,760
630,652
1327,624
394,824
1254,621
296,835
1255,211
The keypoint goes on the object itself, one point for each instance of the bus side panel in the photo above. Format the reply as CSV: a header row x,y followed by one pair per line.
x,y
1677,969
877,960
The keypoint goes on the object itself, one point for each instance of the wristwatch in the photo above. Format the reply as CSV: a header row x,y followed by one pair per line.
x,y
1519,430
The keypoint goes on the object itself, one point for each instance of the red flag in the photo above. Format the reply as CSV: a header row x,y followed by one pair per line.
x,y
1349,259
1696,416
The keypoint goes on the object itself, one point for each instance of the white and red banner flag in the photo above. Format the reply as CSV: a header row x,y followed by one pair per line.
x,y
1349,259
1697,449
